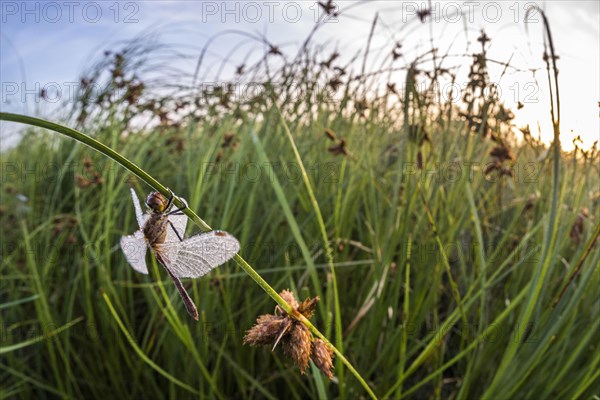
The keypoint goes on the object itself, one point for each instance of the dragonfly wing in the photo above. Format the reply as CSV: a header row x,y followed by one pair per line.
x,y
139,215
134,248
200,254
178,222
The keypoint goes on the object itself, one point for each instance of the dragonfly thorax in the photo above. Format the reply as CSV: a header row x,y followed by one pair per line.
x,y
155,228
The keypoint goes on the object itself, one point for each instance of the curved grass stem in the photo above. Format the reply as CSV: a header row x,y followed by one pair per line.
x,y
321,222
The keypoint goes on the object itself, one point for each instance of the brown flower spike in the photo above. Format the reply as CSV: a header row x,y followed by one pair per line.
x,y
297,342
322,356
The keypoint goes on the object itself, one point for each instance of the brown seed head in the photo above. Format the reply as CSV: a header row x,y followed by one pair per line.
x,y
307,307
502,153
266,331
297,345
82,181
423,14
420,160
339,149
289,298
87,163
578,228
506,172
227,139
322,356
291,335
489,168
330,134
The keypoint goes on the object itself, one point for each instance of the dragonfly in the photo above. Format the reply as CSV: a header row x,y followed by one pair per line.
x,y
162,231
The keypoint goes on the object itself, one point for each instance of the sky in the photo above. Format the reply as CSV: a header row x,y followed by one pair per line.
x,y
48,44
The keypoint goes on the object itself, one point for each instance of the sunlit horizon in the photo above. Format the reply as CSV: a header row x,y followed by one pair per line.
x,y
574,27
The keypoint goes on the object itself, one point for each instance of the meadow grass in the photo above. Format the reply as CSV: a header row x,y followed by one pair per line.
x,y
135,340
440,274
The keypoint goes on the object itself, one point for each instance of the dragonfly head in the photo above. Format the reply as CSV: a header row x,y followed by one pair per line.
x,y
157,202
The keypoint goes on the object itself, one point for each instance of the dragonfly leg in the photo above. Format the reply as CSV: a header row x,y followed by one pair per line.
x,y
177,211
170,201
175,230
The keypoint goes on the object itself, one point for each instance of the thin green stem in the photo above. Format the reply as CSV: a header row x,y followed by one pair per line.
x,y
586,253
140,352
453,285
539,277
405,318
313,200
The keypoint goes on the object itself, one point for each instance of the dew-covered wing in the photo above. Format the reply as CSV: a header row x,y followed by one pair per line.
x,y
199,254
134,248
139,215
179,222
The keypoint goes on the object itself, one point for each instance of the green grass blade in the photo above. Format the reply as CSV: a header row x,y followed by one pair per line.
x,y
25,343
18,301
141,353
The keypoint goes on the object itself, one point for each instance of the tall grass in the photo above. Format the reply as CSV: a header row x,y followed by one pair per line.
x,y
440,273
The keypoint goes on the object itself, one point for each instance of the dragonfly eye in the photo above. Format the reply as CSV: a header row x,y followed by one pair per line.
x,y
156,202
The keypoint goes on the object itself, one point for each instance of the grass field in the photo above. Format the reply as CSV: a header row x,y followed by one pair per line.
x,y
450,243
